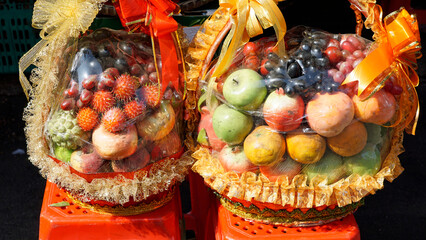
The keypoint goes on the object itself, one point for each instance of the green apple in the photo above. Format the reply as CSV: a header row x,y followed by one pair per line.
x,y
368,161
231,125
330,165
244,89
63,154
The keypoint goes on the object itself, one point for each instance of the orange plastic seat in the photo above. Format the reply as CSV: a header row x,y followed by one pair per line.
x,y
74,222
230,226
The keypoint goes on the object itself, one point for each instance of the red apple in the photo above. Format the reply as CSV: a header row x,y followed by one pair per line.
x,y
87,161
282,112
234,159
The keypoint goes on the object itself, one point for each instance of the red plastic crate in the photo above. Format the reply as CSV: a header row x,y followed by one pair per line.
x,y
230,226
74,222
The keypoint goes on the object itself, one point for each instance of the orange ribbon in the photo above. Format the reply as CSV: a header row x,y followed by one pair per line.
x,y
154,17
397,51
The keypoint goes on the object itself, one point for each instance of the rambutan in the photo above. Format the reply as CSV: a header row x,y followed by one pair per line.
x,y
87,118
151,95
134,109
102,100
114,120
124,88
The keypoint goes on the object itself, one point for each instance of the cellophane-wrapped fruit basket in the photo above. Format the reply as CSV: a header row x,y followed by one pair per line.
x,y
300,134
102,123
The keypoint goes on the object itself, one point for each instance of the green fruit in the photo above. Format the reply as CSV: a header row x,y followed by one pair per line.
x,y
203,101
244,89
63,154
230,125
63,130
367,162
374,135
330,165
202,137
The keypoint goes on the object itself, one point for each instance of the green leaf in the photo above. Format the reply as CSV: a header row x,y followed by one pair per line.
x,y
60,204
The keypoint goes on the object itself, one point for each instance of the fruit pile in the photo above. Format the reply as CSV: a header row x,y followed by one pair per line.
x,y
288,115
113,115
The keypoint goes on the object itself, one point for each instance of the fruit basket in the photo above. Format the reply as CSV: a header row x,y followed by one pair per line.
x,y
297,128
105,117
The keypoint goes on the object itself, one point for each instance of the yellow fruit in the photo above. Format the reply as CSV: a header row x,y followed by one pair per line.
x,y
264,146
305,148
350,141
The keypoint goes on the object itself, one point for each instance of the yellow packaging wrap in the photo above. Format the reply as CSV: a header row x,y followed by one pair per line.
x,y
264,169
114,163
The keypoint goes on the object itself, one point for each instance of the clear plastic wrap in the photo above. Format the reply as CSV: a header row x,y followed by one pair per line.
x,y
113,115
316,127
105,120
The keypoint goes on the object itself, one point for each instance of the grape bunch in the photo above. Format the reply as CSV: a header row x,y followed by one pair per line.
x,y
305,70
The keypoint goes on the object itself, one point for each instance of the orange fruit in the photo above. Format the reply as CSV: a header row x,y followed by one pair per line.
x,y
350,141
305,148
378,109
329,113
264,146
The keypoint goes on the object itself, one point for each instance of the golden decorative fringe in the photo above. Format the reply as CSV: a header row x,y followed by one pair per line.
x,y
293,218
46,79
298,193
120,210
195,59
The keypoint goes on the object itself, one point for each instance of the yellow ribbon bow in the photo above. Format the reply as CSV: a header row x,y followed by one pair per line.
x,y
396,52
248,18
58,20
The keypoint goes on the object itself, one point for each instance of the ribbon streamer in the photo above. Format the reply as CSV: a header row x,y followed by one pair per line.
x,y
248,18
397,50
154,18
57,19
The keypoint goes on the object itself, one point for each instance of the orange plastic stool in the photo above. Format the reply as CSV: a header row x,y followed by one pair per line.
x,y
198,219
230,226
74,222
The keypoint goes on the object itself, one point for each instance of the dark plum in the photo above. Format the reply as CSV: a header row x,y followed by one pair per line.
x,y
121,65
126,47
294,70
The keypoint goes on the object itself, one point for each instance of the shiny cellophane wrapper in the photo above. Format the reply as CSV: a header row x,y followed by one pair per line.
x,y
251,187
58,58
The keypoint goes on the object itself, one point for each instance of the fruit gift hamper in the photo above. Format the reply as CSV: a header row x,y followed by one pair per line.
x,y
297,128
105,117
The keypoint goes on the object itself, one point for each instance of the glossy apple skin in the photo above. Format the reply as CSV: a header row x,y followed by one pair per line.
x,y
282,112
230,125
244,89
206,123
87,161
234,159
